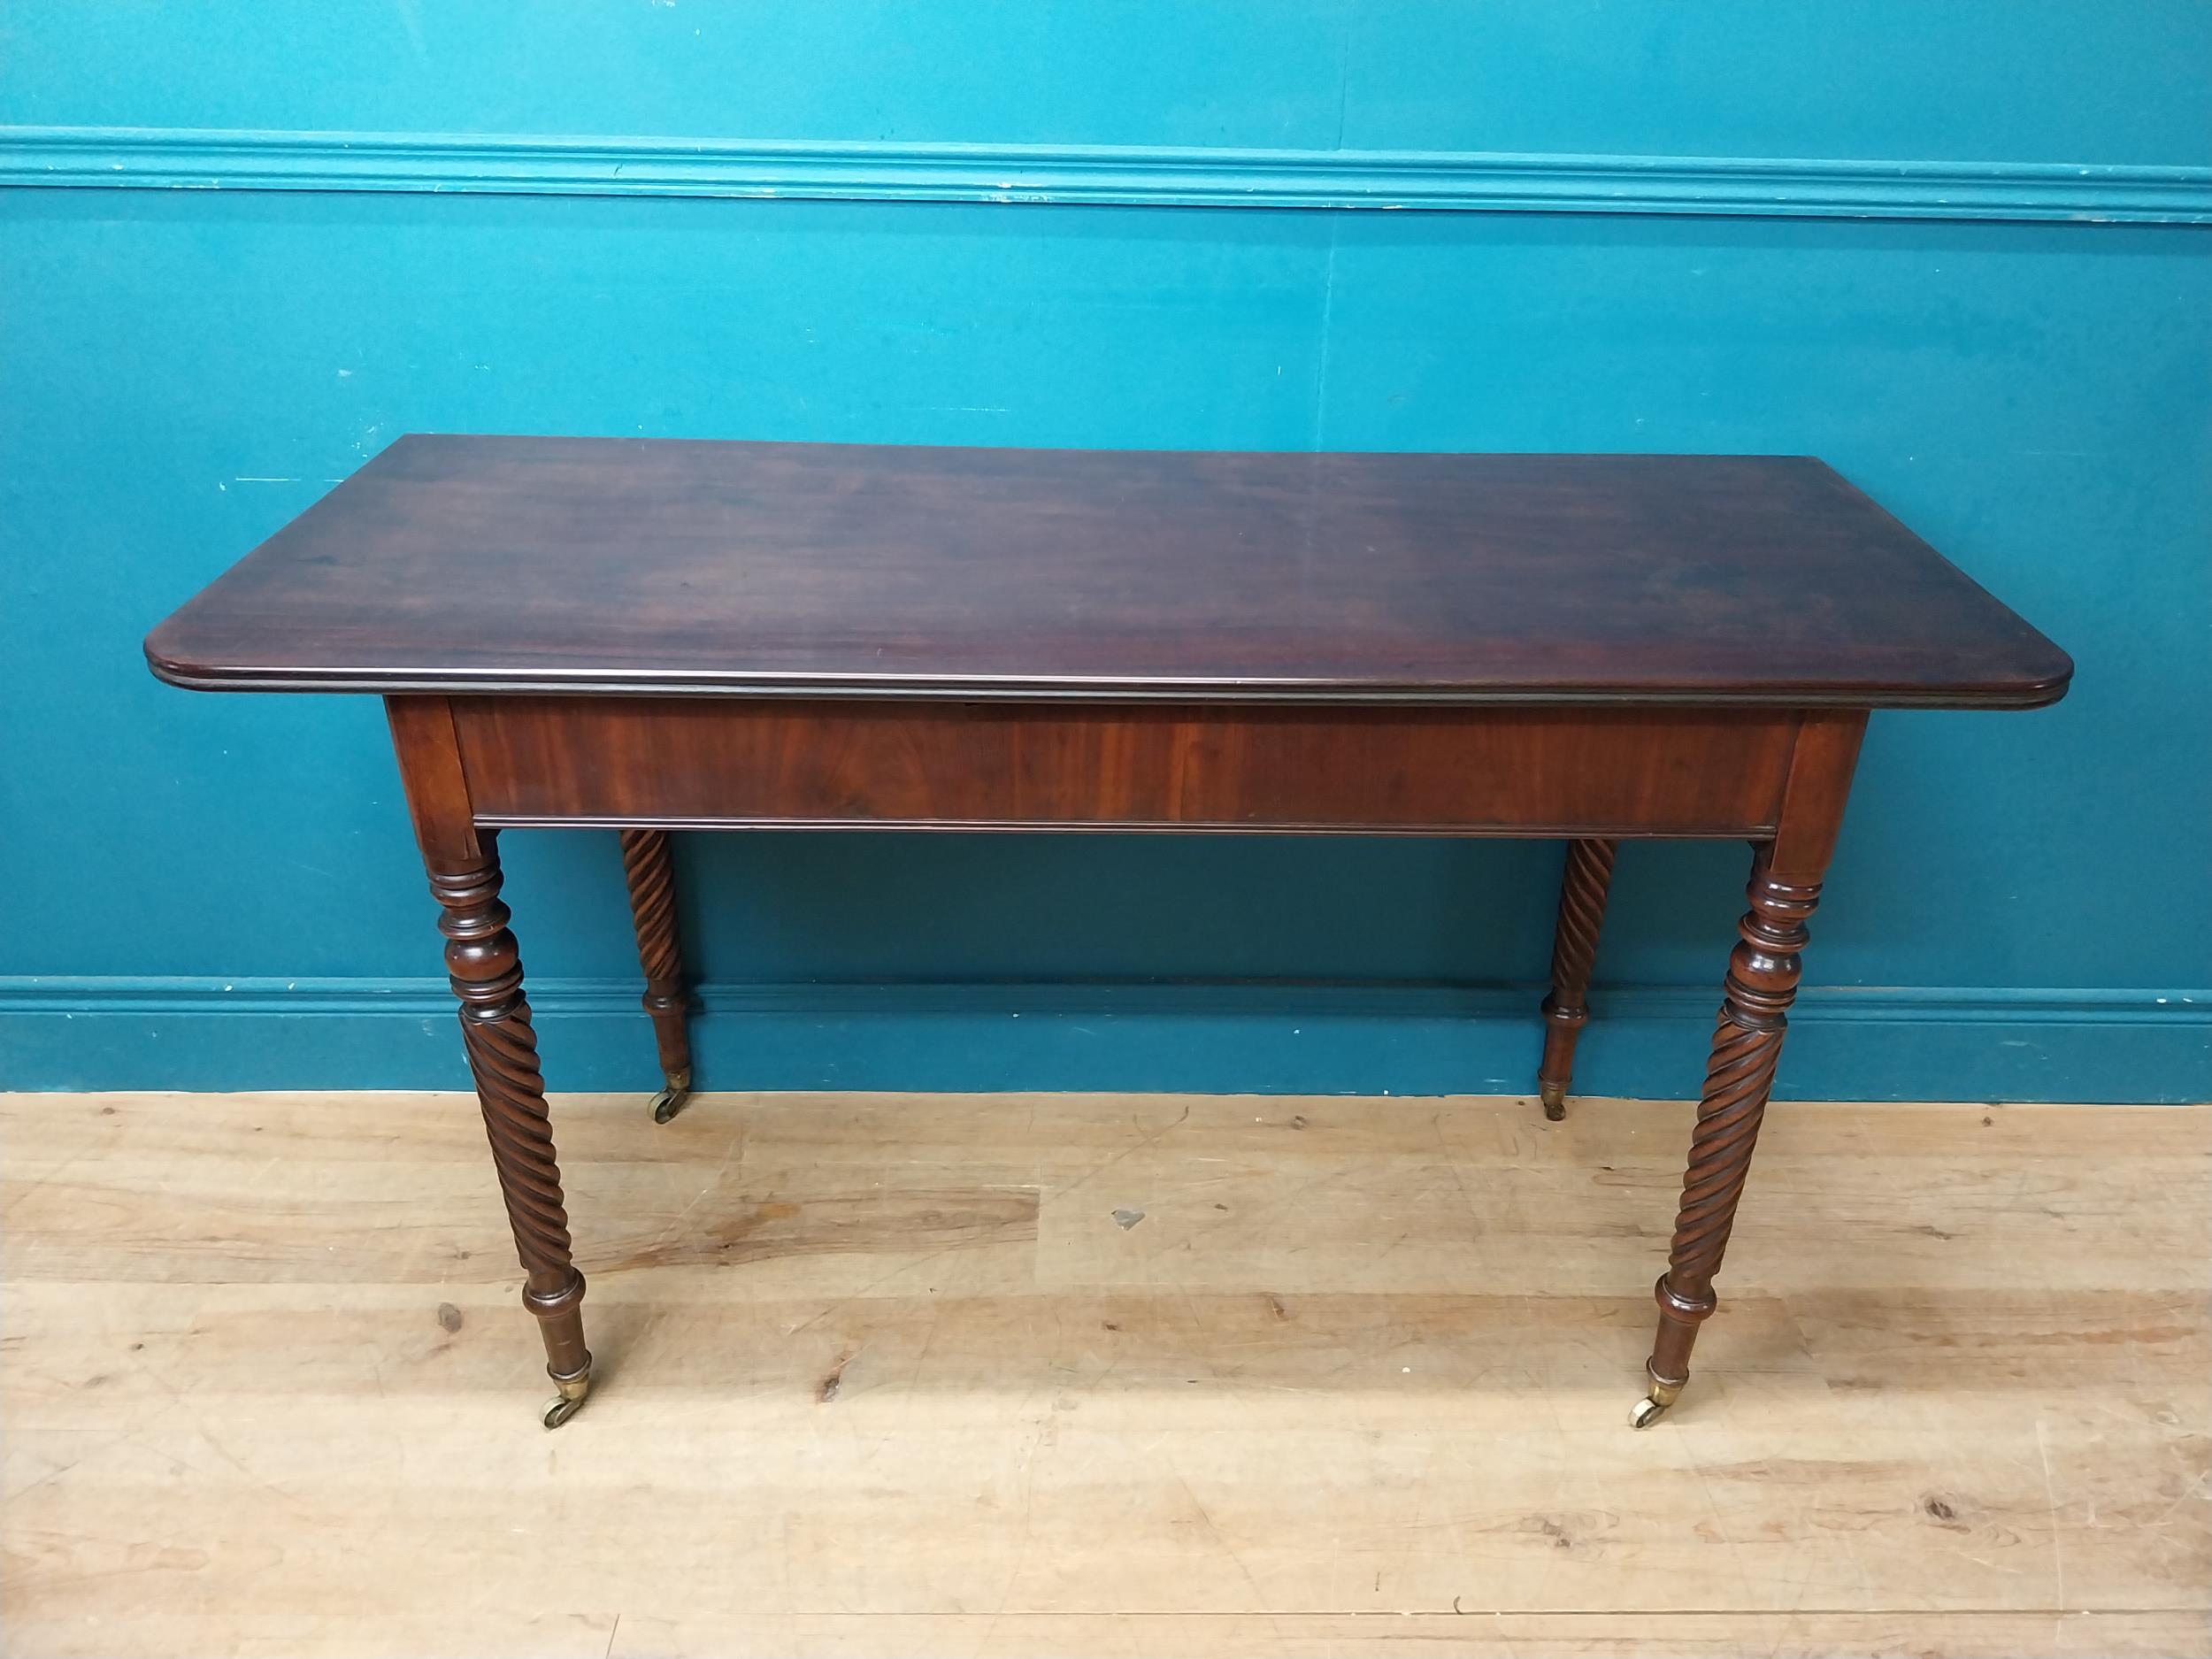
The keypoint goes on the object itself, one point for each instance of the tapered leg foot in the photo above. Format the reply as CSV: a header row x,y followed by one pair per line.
x,y
569,1399
1582,891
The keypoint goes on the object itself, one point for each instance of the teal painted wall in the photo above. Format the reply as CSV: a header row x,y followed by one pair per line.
x,y
208,892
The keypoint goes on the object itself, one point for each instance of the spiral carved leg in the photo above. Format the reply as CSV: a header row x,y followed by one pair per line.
x,y
486,969
1582,891
650,872
1762,975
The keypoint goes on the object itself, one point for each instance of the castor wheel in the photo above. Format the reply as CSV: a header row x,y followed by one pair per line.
x,y
1654,1405
570,1399
671,1100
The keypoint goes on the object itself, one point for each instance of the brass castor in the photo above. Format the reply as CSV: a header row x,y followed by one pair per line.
x,y
671,1100
1654,1405
570,1401
1554,1098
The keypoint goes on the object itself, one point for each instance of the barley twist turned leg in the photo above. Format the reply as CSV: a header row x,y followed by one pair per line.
x,y
1582,891
650,871
485,968
1762,975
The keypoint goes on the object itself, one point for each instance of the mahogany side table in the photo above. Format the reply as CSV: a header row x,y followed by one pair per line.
x,y
660,635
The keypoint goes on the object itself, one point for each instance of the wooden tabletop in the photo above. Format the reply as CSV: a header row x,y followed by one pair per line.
x,y
590,565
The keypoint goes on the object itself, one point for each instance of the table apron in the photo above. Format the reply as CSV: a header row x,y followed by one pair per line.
x,y
1504,771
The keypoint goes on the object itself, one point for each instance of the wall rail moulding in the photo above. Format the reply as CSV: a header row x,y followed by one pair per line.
x,y
144,159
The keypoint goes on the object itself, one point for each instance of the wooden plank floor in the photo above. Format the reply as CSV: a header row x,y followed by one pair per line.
x,y
890,1375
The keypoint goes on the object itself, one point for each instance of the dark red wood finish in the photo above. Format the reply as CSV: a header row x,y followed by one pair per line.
x,y
485,964
711,761
648,870
598,565
650,636
1583,887
1787,873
